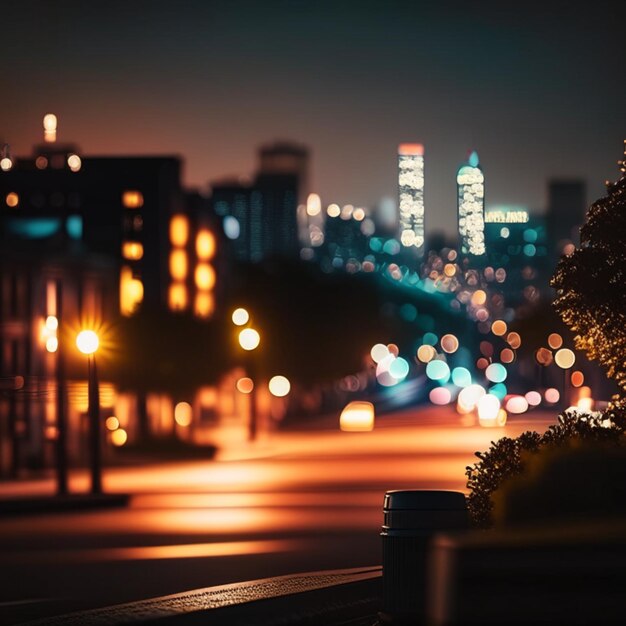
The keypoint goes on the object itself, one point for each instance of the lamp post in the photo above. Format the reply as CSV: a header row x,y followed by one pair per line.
x,y
249,339
565,359
87,342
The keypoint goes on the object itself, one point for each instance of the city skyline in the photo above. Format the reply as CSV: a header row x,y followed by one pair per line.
x,y
533,93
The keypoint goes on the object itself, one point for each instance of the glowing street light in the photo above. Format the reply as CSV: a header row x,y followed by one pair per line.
x,y
87,342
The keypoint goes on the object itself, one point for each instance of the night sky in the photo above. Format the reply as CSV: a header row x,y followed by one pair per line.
x,y
538,92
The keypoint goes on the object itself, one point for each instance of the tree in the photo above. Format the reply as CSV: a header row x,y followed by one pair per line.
x,y
590,283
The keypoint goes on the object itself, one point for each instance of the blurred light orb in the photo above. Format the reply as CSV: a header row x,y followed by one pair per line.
x,y
333,210
279,386
552,395
74,162
449,343
249,339
482,315
52,323
496,373
245,385
533,398
426,353
430,339
486,349
488,408
357,416
578,378
183,414
439,371
393,349
479,297
499,328
461,377
565,358
499,390
544,356
517,405
50,122
399,368
52,344
501,418
482,363
507,355
119,437
514,340
240,317
112,423
469,397
378,352
87,341
555,341
231,227
440,396
384,364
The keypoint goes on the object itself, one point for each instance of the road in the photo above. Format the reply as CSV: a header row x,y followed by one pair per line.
x,y
298,501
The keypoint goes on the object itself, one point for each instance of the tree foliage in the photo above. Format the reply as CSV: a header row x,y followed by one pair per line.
x,y
591,298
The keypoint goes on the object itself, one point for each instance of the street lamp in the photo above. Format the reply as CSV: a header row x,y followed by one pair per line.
x,y
87,342
565,359
249,340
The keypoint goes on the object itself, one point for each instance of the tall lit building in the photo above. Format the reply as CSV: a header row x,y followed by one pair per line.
x,y
411,195
471,206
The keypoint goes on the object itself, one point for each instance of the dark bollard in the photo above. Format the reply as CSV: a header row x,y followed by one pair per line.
x,y
411,518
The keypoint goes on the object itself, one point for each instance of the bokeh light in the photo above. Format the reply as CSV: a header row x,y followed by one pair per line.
x,y
438,371
469,397
552,395
565,358
112,423
496,373
240,317
378,352
440,396
249,339
514,340
426,353
245,385
499,328
183,414
517,405
578,378
488,408
449,343
87,341
461,377
507,355
399,368
555,341
119,437
357,416
533,398
279,386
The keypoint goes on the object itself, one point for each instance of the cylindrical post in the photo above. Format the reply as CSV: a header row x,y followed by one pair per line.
x,y
411,518
94,425
61,405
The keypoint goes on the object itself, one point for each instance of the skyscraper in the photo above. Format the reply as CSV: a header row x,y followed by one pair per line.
x,y
411,195
471,206
566,213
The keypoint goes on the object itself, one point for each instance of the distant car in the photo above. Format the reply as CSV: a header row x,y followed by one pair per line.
x,y
357,416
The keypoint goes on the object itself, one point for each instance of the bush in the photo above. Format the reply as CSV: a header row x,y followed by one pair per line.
x,y
508,458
